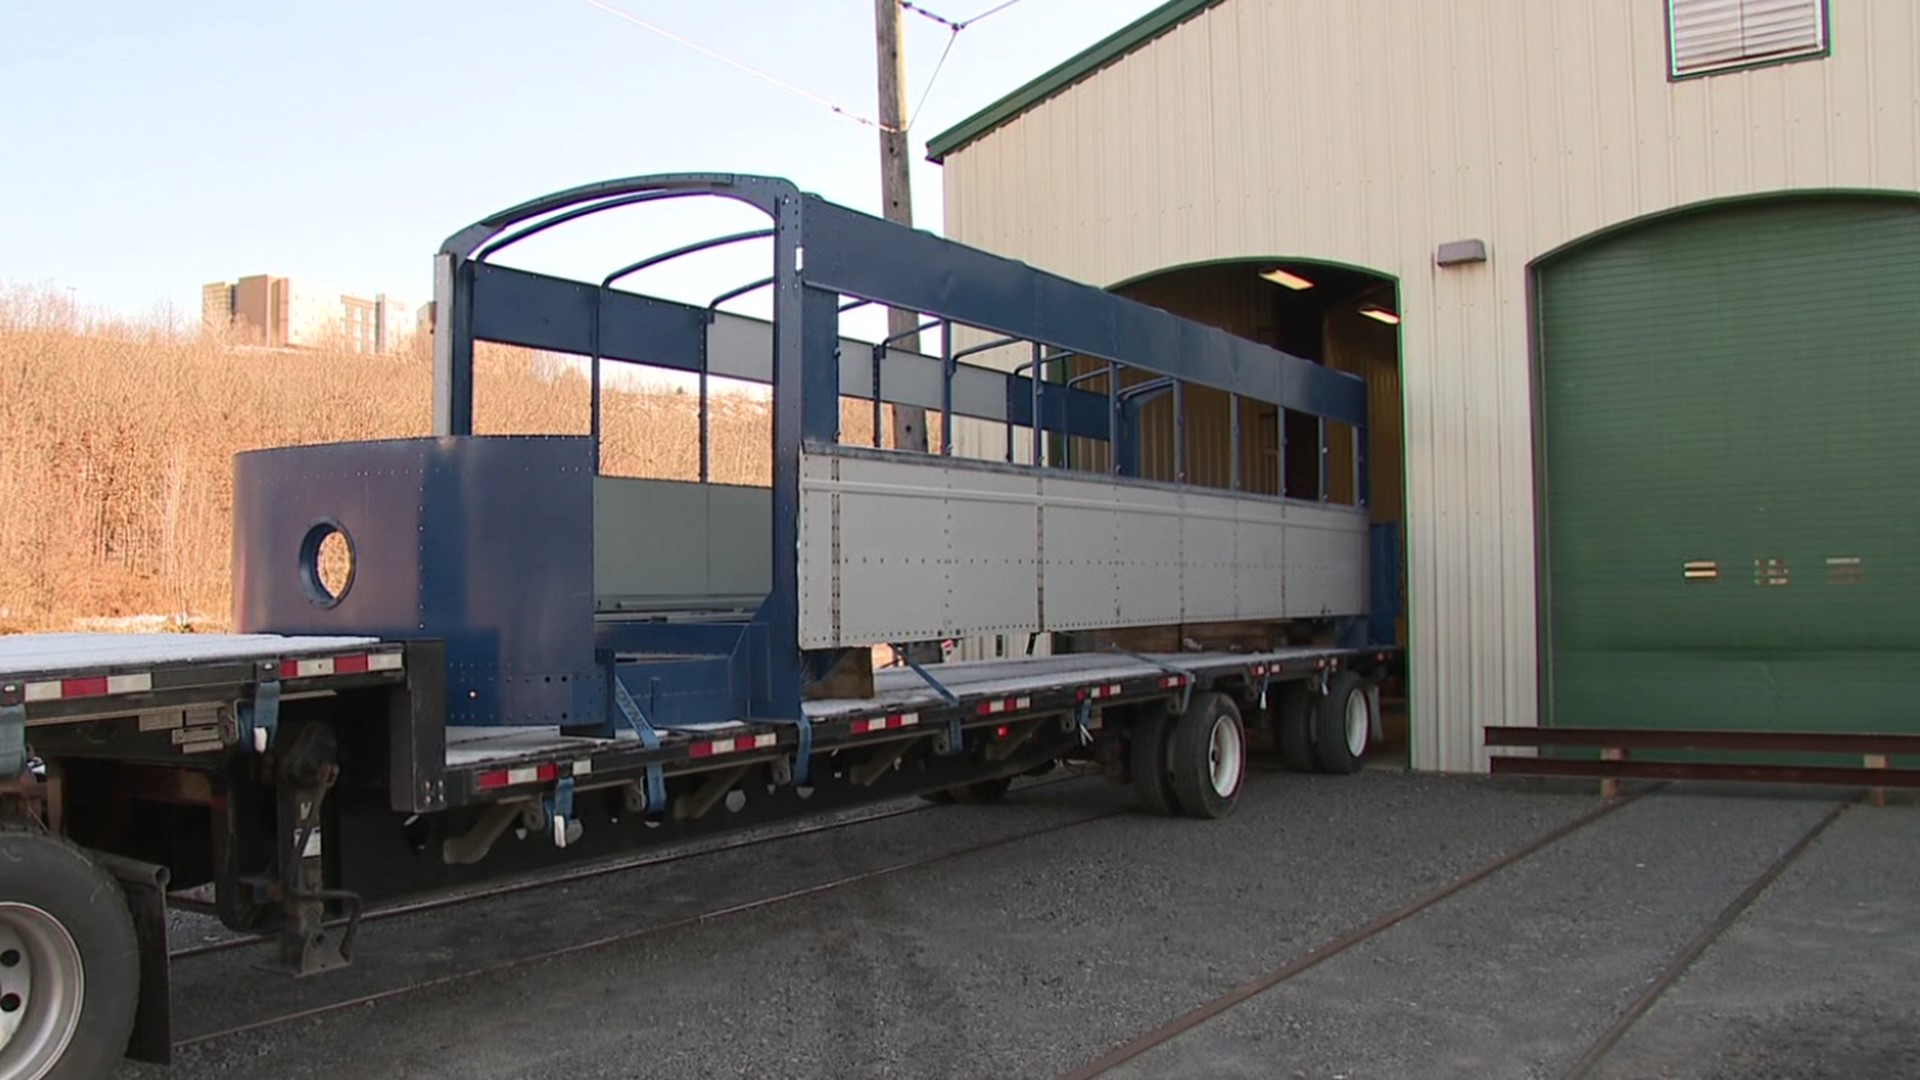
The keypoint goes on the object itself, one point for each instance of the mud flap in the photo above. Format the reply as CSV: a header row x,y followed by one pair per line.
x,y
144,886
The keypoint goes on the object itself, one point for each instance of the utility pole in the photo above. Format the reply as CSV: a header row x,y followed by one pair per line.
x,y
896,199
896,193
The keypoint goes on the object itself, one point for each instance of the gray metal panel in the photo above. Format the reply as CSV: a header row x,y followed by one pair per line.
x,y
1260,547
992,522
819,556
668,540
1148,560
892,578
1326,561
1212,576
739,540
1081,527
931,547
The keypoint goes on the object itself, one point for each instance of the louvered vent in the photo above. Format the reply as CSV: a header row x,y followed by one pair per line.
x,y
1709,35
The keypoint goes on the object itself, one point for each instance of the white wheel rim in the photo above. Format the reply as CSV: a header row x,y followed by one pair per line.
x,y
1357,723
1224,757
42,988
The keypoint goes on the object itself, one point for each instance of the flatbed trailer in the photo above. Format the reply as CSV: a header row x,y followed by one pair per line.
x,y
528,664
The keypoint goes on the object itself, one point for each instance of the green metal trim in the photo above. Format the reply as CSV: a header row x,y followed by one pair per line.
x,y
1103,52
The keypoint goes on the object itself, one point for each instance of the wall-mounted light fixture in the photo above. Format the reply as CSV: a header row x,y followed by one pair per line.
x,y
1459,252
1380,314
1286,278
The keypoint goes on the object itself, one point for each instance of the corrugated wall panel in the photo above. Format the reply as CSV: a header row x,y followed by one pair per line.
x,y
1367,133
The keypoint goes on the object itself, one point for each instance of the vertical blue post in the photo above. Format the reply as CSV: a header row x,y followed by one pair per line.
x,y
1039,380
946,387
593,377
1179,432
806,408
452,345
1233,464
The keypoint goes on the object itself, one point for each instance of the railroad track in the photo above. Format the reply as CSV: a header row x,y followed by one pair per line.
x,y
1595,1054
765,835
483,972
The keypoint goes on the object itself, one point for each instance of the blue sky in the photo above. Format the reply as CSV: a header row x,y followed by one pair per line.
x,y
147,148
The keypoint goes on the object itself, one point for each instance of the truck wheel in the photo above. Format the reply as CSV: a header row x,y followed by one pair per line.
x,y
1149,761
1345,725
1209,748
981,792
1293,726
69,962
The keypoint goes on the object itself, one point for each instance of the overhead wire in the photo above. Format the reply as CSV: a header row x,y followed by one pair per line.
x,y
741,65
953,35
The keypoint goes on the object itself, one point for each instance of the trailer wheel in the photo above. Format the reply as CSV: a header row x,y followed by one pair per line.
x,y
1293,726
1209,750
69,962
1148,760
1345,725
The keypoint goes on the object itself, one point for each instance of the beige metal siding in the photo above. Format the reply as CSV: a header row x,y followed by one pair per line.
x,y
1370,131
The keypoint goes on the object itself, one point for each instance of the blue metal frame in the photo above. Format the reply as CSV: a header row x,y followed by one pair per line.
x,y
821,253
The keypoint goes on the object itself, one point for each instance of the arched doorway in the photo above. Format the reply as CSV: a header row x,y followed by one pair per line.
x,y
1345,317
1729,468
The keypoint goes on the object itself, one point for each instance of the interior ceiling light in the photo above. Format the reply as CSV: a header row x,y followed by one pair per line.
x,y
1290,280
1379,314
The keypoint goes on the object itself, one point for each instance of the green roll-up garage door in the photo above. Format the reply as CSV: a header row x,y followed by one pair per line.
x,y
1729,417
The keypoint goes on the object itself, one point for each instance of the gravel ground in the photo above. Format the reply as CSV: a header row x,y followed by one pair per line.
x,y
1820,979
1517,975
1046,951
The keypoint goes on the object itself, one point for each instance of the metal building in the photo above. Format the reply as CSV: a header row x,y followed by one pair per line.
x,y
1637,288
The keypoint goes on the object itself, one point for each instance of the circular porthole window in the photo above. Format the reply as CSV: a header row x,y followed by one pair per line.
x,y
326,563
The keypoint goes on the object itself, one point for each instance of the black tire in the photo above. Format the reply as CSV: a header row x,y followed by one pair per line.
x,y
1331,749
981,792
1209,751
58,882
1293,718
1148,736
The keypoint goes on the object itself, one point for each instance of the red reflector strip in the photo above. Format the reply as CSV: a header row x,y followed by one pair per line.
x,y
733,746
885,723
73,688
525,774
989,708
1172,681
1100,692
357,664
1260,669
91,686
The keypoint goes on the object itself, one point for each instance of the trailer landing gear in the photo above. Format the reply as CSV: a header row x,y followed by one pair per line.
x,y
69,962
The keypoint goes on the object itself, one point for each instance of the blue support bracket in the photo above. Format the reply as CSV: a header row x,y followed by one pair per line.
x,y
559,807
802,745
649,738
260,718
1083,719
13,737
956,735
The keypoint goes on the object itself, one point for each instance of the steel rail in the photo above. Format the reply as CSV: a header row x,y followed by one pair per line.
x,y
1699,945
452,978
1193,1018
588,873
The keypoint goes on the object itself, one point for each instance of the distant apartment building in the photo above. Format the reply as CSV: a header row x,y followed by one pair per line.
x,y
295,312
